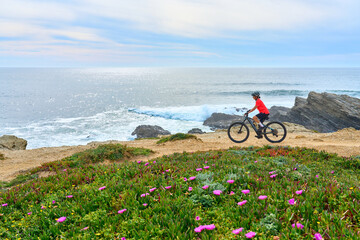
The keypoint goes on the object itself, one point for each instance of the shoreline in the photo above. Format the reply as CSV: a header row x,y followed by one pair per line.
x,y
345,142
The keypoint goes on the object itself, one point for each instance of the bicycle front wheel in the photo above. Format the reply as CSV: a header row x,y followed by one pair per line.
x,y
238,132
275,132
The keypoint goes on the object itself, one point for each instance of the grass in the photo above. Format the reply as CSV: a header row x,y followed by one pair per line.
x,y
175,137
329,204
112,152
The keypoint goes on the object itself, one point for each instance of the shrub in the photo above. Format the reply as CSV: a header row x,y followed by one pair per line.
x,y
175,137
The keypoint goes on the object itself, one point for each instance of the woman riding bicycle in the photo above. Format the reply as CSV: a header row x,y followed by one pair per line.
x,y
262,115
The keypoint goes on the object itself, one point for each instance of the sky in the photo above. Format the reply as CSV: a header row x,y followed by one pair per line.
x,y
179,33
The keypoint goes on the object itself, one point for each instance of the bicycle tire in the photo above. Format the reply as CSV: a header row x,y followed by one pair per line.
x,y
270,129
235,130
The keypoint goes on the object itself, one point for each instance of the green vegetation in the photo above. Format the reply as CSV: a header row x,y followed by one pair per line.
x,y
2,157
292,193
175,137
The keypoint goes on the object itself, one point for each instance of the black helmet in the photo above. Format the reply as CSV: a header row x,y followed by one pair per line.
x,y
255,94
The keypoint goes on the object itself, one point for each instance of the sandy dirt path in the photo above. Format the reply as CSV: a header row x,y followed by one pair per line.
x,y
345,142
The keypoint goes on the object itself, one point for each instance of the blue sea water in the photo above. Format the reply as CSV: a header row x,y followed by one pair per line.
x,y
68,106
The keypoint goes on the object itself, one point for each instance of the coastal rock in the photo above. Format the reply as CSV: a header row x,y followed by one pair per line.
x,y
11,142
196,131
278,113
149,131
221,120
326,112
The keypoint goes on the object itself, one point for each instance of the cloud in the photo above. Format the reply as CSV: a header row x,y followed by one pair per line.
x,y
209,18
116,30
37,10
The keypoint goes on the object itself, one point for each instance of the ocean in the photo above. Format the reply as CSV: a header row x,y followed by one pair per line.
x,y
74,106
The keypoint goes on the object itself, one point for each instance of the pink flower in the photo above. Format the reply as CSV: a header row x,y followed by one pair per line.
x,y
255,161
206,162
298,225
230,181
213,165
29,213
332,172
317,176
154,161
123,238
246,191
147,194
217,192
206,167
122,210
299,192
168,187
197,218
250,235
65,170
237,231
138,161
43,207
69,196
272,172
199,229
242,203
145,204
262,197
295,169
232,193
185,179
4,205
192,178
53,202
146,164
61,219
152,189
142,195
205,187
102,188
209,227
274,175
318,236
199,169
292,201
190,189
85,228
167,170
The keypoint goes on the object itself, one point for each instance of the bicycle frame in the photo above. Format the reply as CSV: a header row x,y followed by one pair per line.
x,y
250,121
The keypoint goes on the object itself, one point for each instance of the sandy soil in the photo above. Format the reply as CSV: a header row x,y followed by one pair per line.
x,y
345,142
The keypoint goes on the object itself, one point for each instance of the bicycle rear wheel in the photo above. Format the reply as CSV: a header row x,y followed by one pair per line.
x,y
275,132
238,132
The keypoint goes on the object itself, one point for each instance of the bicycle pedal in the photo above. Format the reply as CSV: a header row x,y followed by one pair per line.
x,y
259,136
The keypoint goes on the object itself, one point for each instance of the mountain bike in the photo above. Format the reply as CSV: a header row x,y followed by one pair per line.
x,y
239,132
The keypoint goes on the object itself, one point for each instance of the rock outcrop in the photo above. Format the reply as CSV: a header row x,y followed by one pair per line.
x,y
279,113
10,142
149,131
326,112
221,120
196,131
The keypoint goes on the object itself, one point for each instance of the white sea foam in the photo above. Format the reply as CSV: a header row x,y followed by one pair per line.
x,y
187,113
110,125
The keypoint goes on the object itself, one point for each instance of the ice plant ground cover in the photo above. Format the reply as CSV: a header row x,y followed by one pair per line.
x,y
328,206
